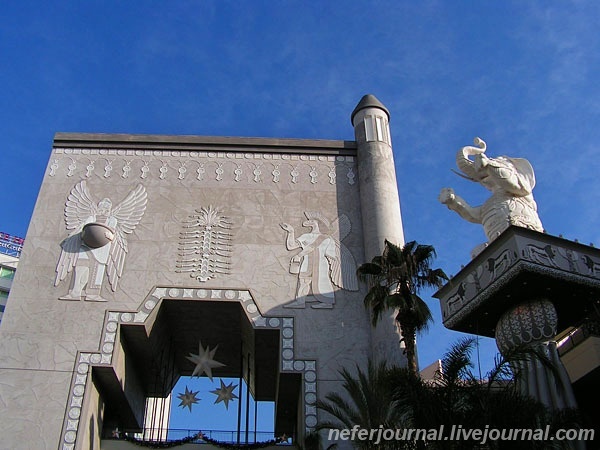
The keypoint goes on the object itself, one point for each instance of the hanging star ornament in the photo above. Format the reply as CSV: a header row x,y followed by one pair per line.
x,y
225,393
188,399
204,361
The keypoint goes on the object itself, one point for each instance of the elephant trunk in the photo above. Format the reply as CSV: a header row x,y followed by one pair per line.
x,y
464,163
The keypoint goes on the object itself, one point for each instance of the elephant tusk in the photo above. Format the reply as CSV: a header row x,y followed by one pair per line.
x,y
463,176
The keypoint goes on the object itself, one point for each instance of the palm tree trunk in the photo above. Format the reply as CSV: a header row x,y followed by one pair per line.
x,y
409,335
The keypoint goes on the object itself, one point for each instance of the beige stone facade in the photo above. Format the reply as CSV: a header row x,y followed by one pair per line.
x,y
250,244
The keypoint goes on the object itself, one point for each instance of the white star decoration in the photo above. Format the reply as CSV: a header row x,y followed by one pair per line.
x,y
225,393
204,361
188,399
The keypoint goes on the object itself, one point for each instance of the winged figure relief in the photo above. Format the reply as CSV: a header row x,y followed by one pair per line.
x,y
97,242
323,262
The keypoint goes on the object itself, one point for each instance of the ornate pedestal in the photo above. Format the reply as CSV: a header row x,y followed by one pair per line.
x,y
519,266
524,289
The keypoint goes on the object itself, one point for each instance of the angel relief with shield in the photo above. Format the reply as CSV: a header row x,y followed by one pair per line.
x,y
97,243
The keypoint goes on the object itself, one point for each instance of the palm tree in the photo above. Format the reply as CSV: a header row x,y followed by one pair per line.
x,y
456,397
366,401
398,399
395,279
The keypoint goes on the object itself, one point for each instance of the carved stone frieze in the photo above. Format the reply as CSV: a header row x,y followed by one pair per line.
x,y
108,168
239,167
323,263
72,166
520,265
479,278
53,167
126,168
97,242
90,168
205,244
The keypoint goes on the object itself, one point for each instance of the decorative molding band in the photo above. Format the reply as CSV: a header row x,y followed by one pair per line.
x,y
483,280
249,167
113,319
201,154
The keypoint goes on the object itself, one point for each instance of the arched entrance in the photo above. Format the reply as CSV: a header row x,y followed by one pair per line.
x,y
142,353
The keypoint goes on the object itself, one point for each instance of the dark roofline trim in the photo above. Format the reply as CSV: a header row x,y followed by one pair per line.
x,y
203,143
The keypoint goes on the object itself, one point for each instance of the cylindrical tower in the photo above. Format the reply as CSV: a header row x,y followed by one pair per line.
x,y
380,204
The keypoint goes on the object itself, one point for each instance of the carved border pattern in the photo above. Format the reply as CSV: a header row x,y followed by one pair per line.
x,y
477,281
559,262
86,360
471,304
201,166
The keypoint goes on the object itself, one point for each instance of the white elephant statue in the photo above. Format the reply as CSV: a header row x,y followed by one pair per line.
x,y
511,181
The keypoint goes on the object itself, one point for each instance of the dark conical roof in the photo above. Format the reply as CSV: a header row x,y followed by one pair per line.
x,y
368,101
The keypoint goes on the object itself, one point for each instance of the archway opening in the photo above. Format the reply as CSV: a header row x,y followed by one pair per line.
x,y
185,337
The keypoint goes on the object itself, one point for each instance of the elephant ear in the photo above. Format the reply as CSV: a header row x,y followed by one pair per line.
x,y
525,170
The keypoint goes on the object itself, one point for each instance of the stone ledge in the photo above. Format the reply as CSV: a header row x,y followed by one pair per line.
x,y
205,143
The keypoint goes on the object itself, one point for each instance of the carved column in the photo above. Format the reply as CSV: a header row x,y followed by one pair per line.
x,y
380,204
534,324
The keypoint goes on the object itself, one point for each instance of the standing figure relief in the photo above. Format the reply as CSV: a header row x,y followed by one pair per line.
x,y
97,243
323,262
511,181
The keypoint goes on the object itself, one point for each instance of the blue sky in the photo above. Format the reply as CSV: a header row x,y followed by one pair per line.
x,y
521,75
206,415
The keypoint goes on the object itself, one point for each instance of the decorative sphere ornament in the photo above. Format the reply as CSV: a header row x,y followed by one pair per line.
x,y
96,235
525,324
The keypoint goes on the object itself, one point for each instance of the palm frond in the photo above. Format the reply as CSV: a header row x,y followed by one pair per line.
x,y
430,278
456,363
339,408
367,400
422,314
371,269
509,365
375,301
392,253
